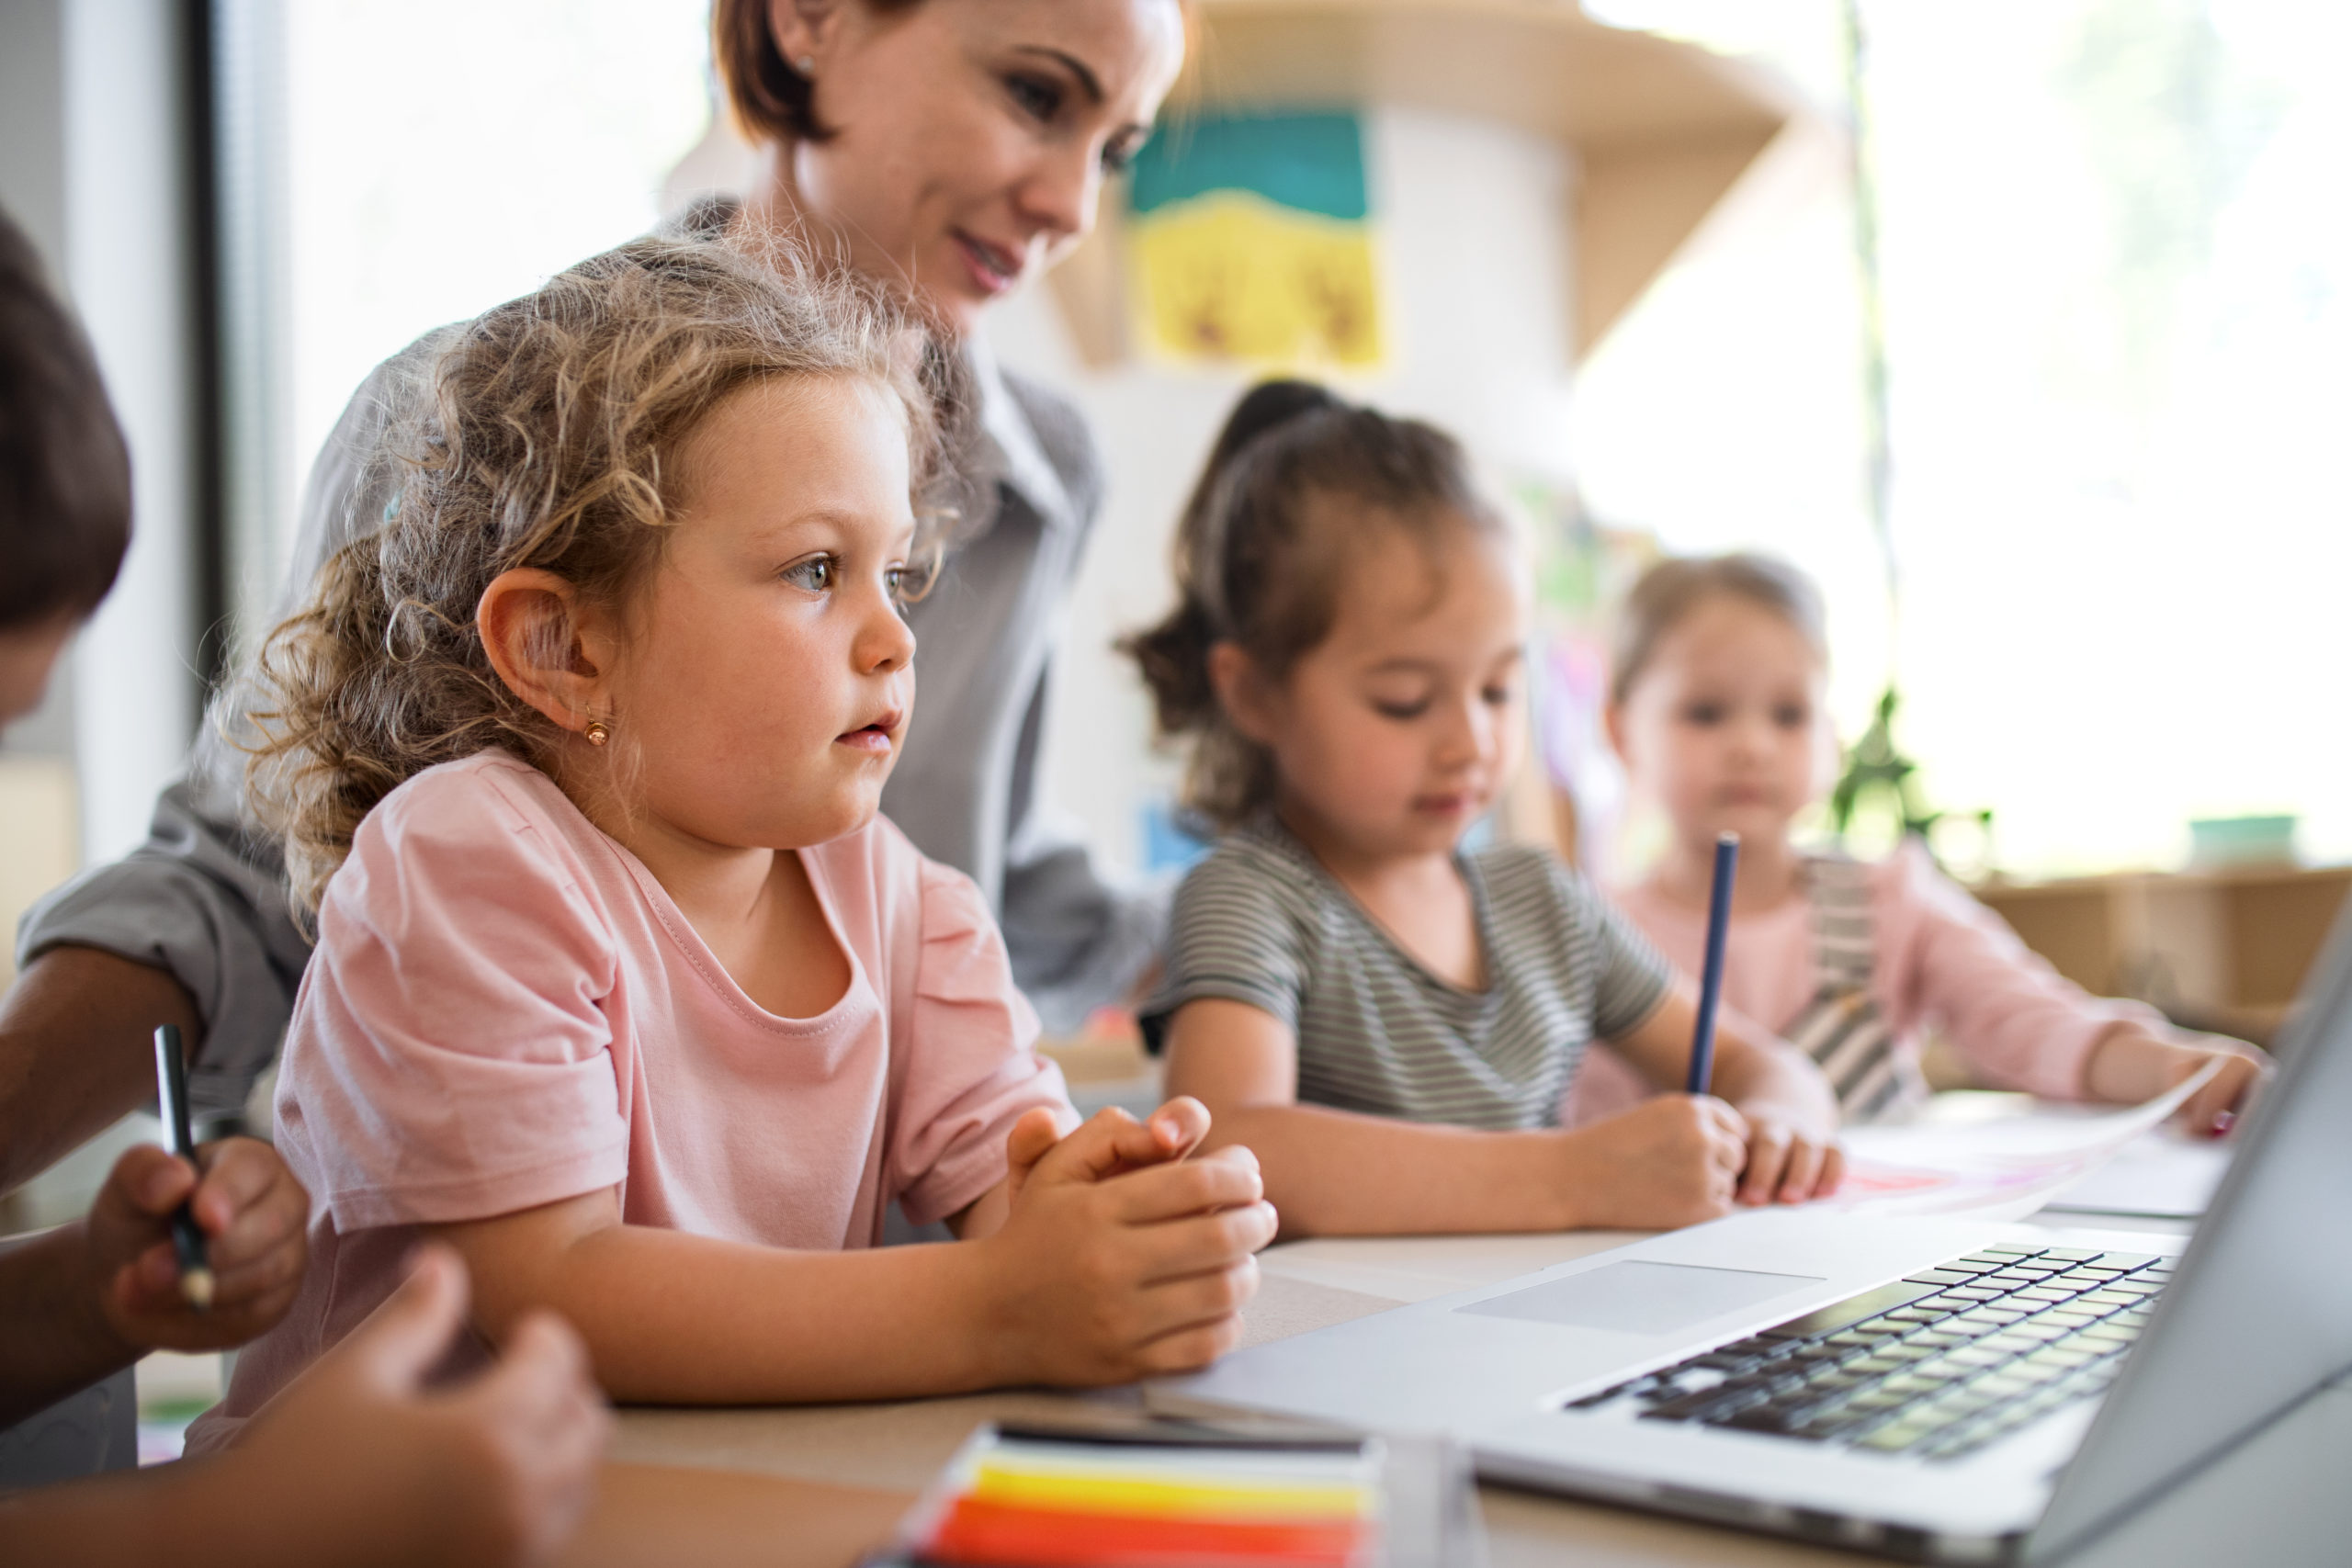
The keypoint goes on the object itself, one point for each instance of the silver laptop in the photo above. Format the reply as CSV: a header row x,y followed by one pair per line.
x,y
1941,1390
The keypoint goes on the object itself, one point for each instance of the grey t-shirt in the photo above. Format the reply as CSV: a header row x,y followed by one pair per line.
x,y
1261,921
205,897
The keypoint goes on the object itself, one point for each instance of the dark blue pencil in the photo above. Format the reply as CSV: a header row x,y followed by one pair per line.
x,y
1710,980
179,1137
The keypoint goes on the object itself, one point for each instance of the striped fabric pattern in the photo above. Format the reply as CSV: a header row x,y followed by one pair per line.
x,y
1842,1029
1261,921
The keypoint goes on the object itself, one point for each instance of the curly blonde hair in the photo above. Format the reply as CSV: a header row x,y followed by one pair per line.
x,y
547,435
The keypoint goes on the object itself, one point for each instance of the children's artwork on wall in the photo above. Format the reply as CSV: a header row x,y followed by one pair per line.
x,y
1583,570
1252,241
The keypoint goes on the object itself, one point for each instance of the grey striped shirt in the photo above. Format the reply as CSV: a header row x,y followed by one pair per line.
x,y
1261,921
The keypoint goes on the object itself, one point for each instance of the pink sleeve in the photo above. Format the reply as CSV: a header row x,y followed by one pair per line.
x,y
448,1059
971,1067
1947,961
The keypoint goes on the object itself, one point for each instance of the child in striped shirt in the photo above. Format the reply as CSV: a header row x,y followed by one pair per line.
x,y
1716,709
1390,1020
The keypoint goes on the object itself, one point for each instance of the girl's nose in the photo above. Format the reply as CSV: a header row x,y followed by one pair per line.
x,y
886,642
1469,734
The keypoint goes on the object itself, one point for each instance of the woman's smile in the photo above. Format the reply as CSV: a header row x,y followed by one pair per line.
x,y
994,268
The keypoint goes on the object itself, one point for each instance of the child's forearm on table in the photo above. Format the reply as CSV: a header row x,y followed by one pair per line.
x,y
1339,1173
674,1318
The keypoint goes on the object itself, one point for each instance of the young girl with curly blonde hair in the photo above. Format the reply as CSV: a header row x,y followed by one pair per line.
x,y
622,986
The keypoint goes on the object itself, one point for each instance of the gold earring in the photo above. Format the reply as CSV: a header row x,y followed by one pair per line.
x,y
596,732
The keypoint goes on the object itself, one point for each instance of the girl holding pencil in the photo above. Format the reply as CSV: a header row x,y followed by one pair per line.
x,y
1716,707
1386,1015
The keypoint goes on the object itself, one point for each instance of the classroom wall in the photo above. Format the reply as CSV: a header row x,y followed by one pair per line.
x,y
1473,218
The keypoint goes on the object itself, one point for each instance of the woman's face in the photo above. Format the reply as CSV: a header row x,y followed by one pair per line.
x,y
971,137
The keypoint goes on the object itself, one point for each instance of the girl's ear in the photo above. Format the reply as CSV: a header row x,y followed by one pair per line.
x,y
1612,723
546,650
1242,692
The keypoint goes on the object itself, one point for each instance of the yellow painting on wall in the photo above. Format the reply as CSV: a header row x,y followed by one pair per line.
x,y
1252,241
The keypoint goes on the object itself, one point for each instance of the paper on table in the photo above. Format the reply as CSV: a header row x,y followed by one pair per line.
x,y
2163,1174
2001,1168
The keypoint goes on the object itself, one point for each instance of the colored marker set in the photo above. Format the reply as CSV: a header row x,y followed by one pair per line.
x,y
1060,1500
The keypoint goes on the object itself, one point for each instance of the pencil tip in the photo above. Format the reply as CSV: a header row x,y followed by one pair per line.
x,y
196,1287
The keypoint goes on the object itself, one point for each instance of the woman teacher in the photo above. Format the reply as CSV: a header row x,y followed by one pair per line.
x,y
952,147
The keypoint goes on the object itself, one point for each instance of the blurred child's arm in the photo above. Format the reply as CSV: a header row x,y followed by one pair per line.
x,y
1087,1280
1668,1162
356,1462
2131,1062
2020,1025
90,1298
1789,1113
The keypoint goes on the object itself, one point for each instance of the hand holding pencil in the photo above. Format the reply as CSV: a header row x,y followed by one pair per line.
x,y
250,1212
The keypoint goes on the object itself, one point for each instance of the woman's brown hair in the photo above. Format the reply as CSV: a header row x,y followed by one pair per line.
x,y
772,100
1296,481
548,435
1668,593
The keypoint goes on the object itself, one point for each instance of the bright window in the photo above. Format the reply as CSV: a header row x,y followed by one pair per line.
x,y
2118,287
443,155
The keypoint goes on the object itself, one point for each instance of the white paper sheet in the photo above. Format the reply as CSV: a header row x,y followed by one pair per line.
x,y
2003,1168
2163,1174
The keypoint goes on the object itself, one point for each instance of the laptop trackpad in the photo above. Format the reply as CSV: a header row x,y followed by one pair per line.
x,y
1640,1298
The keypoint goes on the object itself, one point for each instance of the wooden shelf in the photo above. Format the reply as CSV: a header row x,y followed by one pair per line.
x,y
2225,949
1661,129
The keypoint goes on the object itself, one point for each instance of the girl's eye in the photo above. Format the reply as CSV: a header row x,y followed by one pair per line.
x,y
1704,715
1498,696
1790,717
817,574
1401,711
1039,98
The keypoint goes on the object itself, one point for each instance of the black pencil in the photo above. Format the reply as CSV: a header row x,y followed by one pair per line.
x,y
179,1137
1711,978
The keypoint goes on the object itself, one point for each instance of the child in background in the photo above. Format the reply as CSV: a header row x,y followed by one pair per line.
x,y
1389,1018
622,986
356,1463
1716,709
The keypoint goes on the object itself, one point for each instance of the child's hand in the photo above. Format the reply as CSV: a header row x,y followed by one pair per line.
x,y
1174,1131
357,1460
1671,1161
2130,1064
1788,1160
1120,1260
252,1212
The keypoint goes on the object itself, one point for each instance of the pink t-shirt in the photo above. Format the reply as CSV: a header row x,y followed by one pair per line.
x,y
1940,960
505,1010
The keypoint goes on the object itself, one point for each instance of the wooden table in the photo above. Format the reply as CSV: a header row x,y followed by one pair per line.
x,y
815,1486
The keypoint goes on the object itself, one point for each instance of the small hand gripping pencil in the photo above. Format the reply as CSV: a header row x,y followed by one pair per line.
x,y
171,1104
1710,979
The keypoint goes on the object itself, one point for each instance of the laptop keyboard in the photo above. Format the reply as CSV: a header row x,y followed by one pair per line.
x,y
1935,1366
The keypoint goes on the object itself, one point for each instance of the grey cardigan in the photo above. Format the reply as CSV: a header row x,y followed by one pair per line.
x,y
205,897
